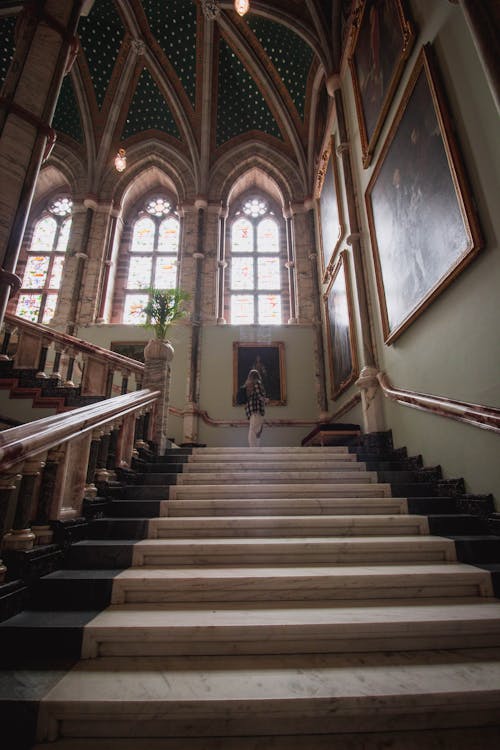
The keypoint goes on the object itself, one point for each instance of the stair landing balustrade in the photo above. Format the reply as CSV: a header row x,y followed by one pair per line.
x,y
65,361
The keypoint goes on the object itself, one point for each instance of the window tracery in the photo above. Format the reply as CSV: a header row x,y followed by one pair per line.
x,y
255,281
42,275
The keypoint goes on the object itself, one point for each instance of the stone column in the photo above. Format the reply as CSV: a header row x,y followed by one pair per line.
x,y
371,400
290,264
46,36
190,425
67,315
157,372
221,264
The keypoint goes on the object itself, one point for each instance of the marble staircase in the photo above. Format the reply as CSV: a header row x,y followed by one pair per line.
x,y
268,599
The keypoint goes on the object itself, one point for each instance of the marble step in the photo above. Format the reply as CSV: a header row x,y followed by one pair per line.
x,y
272,458
289,478
270,451
193,505
272,491
317,627
271,526
289,551
268,466
465,738
300,583
237,695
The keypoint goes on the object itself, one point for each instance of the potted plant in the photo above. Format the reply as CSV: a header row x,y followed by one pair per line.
x,y
165,307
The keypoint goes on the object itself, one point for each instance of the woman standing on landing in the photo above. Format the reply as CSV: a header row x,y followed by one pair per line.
x,y
255,407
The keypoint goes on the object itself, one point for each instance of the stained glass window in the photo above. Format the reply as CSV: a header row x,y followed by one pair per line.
x,y
242,237
153,261
168,240
44,266
255,265
144,236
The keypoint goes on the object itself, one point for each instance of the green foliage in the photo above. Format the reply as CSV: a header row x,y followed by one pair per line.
x,y
165,307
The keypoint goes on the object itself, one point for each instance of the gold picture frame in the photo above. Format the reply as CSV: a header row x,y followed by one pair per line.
x,y
340,329
329,208
269,360
382,38
423,226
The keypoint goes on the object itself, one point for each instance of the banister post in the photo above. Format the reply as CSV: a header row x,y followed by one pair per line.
x,y
21,537
371,400
158,356
40,526
8,490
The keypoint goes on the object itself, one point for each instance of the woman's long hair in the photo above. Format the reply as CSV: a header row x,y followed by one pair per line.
x,y
252,378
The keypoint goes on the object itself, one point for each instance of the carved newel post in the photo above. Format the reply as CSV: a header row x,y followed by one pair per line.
x,y
371,400
157,371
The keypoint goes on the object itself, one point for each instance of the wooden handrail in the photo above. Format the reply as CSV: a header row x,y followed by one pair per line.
x,y
18,444
478,415
119,360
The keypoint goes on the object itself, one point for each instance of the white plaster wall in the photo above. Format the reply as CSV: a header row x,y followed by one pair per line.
x,y
216,378
453,348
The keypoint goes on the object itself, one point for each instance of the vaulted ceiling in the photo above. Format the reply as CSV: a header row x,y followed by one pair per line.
x,y
161,69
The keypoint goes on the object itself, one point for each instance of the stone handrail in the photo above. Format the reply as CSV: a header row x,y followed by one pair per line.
x,y
485,417
96,364
25,441
49,467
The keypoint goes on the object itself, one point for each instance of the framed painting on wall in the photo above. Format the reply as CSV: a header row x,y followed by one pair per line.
x,y
329,206
341,334
269,360
131,349
423,226
382,39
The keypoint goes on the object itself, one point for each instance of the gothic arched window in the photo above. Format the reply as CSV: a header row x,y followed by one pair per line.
x,y
153,255
44,265
255,282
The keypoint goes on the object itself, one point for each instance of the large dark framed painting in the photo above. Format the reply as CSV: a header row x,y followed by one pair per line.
x,y
269,360
329,205
341,333
381,41
423,226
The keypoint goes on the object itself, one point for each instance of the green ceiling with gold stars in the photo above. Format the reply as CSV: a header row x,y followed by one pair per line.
x,y
139,61
7,45
67,114
293,69
241,106
101,34
148,110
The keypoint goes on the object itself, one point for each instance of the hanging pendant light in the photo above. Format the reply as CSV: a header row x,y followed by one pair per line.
x,y
120,160
241,7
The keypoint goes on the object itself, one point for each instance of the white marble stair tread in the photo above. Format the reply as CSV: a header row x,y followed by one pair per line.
x,y
280,490
270,450
464,738
277,477
290,465
172,696
304,582
241,526
290,550
316,627
214,505
264,459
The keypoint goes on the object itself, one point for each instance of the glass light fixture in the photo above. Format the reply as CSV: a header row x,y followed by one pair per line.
x,y
241,6
120,160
